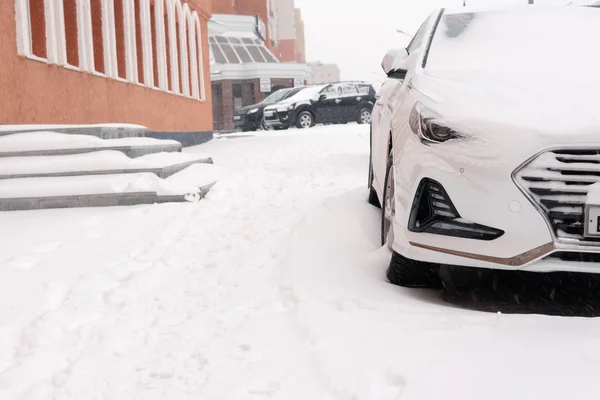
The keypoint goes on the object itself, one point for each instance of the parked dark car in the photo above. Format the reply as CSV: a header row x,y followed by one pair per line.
x,y
333,103
250,118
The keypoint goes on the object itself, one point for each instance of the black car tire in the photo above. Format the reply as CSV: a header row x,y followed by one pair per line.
x,y
303,117
403,271
373,199
361,119
411,273
264,126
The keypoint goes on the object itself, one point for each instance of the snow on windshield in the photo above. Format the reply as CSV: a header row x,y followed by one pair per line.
x,y
529,39
278,95
307,93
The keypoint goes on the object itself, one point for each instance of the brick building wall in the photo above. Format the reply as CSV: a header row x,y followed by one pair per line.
x,y
244,7
38,92
300,43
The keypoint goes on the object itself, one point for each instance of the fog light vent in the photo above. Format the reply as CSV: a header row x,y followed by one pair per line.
x,y
433,212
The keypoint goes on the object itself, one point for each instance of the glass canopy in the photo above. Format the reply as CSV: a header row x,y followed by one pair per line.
x,y
235,50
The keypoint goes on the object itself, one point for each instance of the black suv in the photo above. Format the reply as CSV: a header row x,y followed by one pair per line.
x,y
334,103
250,118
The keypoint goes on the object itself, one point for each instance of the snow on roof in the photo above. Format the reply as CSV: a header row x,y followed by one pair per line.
x,y
239,48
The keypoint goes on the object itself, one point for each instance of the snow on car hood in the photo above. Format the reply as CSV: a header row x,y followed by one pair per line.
x,y
535,101
529,67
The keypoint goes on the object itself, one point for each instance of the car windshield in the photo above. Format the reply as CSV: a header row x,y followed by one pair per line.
x,y
519,41
278,95
291,93
306,93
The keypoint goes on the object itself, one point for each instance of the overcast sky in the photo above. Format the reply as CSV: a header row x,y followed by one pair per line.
x,y
355,34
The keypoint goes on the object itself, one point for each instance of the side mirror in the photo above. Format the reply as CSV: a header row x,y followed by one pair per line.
x,y
322,97
394,60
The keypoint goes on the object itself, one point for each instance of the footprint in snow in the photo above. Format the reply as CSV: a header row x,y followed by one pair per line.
x,y
24,262
95,235
389,386
94,221
55,295
48,247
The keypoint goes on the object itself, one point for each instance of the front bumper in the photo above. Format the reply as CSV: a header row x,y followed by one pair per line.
x,y
279,118
488,189
247,121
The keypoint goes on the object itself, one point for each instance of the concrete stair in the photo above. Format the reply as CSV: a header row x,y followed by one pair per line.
x,y
45,143
96,166
104,162
103,131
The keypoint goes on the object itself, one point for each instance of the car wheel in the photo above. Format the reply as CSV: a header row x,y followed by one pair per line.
x,y
415,274
388,205
305,120
266,127
364,116
403,271
373,198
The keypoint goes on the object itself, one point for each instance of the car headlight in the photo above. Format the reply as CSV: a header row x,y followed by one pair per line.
x,y
427,125
289,107
253,111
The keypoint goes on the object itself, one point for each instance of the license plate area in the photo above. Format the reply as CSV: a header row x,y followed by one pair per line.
x,y
592,221
269,113
237,118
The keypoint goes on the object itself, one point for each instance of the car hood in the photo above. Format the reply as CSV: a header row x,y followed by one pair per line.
x,y
244,110
284,103
548,104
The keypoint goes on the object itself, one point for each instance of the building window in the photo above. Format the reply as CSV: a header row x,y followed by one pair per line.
x,y
251,95
237,96
156,43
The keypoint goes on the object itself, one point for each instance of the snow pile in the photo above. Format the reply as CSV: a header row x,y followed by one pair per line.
x,y
31,141
16,128
198,175
97,161
96,184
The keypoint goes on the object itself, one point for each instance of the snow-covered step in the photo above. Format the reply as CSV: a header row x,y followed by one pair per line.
x,y
48,143
105,190
98,163
104,131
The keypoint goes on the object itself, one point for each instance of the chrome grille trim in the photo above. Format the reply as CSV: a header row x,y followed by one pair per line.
x,y
556,181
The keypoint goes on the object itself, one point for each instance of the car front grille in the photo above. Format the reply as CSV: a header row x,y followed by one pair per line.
x,y
558,182
273,117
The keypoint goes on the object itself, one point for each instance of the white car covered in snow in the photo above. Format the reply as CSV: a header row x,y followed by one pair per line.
x,y
485,143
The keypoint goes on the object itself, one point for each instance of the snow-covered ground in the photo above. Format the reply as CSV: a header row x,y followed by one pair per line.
x,y
272,287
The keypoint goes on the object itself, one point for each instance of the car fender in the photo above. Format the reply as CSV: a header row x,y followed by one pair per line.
x,y
369,105
304,107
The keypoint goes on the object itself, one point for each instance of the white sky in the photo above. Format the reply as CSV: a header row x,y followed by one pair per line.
x,y
356,34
